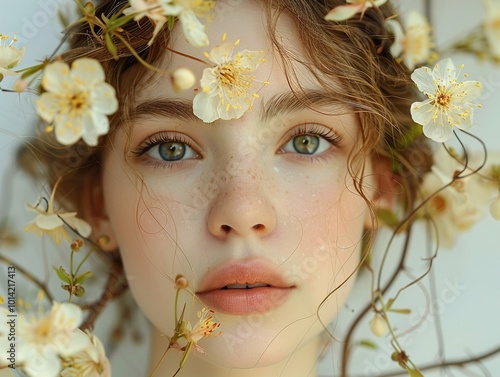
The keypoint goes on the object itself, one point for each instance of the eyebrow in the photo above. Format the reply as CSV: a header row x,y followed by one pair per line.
x,y
288,102
278,104
165,107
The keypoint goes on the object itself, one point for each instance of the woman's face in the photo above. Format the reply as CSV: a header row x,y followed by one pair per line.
x,y
265,199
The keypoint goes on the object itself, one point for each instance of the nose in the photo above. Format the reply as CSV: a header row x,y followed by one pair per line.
x,y
241,211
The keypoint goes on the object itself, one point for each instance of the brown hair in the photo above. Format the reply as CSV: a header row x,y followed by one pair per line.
x,y
354,53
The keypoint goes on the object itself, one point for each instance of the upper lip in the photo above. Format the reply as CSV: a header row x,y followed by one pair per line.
x,y
242,272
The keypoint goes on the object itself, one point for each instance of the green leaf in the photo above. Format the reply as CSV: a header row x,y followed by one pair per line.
x,y
414,373
110,45
368,344
81,278
62,274
170,22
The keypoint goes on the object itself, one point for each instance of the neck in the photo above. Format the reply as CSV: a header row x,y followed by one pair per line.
x,y
301,364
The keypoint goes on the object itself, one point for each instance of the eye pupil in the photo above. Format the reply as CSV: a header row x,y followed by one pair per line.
x,y
172,151
306,144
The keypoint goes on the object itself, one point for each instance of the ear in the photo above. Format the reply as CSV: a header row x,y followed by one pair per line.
x,y
95,213
386,186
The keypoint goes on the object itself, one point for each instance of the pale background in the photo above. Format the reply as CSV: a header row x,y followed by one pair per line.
x,y
467,277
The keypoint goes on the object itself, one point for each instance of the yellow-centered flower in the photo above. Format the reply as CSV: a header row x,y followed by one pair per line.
x,y
77,101
344,12
228,87
9,56
450,101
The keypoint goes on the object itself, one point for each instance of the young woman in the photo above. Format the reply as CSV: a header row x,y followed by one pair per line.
x,y
259,186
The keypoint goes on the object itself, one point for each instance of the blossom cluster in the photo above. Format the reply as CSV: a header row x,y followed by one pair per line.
x,y
50,344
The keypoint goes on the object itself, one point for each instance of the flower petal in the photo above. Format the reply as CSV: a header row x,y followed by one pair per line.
x,y
103,99
56,78
344,12
86,72
424,80
193,29
437,132
48,221
445,72
47,105
205,106
79,225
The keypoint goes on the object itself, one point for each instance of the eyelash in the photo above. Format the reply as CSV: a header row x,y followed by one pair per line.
x,y
305,129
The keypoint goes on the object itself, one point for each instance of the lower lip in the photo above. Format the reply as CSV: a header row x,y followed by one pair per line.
x,y
245,301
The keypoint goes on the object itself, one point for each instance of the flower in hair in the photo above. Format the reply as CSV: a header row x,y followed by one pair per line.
x,y
52,222
9,56
77,101
345,12
227,88
415,46
43,338
186,10
450,101
90,361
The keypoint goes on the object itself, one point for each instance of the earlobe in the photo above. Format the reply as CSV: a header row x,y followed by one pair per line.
x,y
95,213
386,187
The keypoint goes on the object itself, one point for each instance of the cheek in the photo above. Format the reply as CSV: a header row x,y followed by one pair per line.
x,y
143,232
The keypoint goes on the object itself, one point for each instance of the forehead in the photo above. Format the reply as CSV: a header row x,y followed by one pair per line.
x,y
246,24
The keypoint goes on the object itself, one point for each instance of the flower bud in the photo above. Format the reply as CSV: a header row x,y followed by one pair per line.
x,y
495,208
181,282
182,79
76,245
21,85
378,326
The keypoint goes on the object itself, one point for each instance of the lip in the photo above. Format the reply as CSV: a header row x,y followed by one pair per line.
x,y
244,301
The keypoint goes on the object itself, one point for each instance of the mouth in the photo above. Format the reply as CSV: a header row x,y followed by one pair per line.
x,y
244,288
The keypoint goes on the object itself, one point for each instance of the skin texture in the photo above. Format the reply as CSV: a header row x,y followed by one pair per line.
x,y
243,194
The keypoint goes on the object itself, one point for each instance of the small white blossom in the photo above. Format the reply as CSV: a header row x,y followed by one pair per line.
x,y
227,88
77,101
414,46
52,222
450,101
344,12
492,26
9,56
456,208
43,338
91,361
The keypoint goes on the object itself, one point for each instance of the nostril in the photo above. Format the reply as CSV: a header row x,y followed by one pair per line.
x,y
258,227
226,228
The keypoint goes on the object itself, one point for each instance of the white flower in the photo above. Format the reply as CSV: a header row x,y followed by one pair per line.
x,y
414,46
9,56
182,79
77,101
52,222
91,361
186,10
450,101
344,12
227,88
457,207
41,339
492,26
